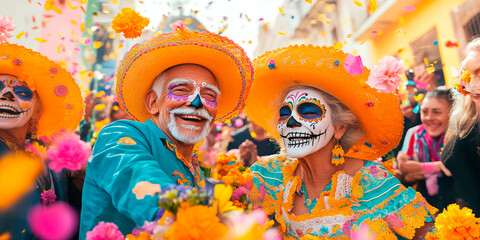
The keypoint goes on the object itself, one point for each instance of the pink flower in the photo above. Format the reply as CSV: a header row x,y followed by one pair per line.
x,y
362,234
149,227
60,90
384,76
105,231
239,192
48,197
6,26
54,222
178,25
68,152
353,64
271,234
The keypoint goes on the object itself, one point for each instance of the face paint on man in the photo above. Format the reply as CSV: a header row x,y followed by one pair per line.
x,y
17,102
191,105
305,122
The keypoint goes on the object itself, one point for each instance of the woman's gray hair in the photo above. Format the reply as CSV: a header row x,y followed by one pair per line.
x,y
342,116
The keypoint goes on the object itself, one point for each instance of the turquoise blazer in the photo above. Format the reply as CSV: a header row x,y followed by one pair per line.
x,y
125,153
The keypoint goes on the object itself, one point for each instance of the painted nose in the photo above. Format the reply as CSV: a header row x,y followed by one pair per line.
x,y
197,102
291,123
8,96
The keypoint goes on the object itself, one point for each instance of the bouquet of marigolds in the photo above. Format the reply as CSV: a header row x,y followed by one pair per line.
x,y
232,172
192,213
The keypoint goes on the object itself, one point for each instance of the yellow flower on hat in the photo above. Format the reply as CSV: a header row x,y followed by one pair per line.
x,y
130,23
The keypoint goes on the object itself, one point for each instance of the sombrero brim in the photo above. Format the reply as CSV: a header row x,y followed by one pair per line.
x,y
322,68
145,61
60,97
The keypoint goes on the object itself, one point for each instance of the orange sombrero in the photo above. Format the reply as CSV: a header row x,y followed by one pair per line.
x,y
60,97
322,68
145,61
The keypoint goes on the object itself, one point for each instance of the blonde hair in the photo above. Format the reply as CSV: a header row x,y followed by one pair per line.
x,y
342,116
464,113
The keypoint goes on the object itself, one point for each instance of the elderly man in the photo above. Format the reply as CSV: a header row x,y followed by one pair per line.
x,y
176,86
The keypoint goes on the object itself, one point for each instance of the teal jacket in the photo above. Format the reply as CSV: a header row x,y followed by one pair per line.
x,y
125,153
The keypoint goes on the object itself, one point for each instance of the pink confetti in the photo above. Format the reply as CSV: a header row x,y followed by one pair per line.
x,y
55,222
353,64
88,41
374,32
39,3
261,19
409,8
77,49
26,34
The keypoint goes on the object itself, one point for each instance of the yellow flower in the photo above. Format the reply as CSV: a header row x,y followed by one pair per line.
x,y
142,236
222,195
130,23
458,223
197,222
466,77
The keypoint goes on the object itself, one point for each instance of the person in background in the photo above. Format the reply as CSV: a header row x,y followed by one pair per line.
x,y
259,143
461,154
419,161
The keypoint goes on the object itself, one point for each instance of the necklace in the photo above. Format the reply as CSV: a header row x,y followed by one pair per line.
x,y
310,204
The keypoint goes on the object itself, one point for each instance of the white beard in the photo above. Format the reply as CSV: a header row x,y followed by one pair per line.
x,y
189,138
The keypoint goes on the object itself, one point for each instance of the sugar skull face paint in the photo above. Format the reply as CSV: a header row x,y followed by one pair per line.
x,y
17,102
187,90
305,123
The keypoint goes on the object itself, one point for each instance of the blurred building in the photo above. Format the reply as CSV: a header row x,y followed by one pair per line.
x,y
425,33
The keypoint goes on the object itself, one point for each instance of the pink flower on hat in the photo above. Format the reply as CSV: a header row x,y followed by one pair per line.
x,y
178,25
6,26
385,76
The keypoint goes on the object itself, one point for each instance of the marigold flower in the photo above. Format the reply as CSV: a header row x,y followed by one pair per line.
x,y
197,222
130,23
458,223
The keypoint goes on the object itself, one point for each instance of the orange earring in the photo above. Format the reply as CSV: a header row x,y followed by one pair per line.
x,y
337,154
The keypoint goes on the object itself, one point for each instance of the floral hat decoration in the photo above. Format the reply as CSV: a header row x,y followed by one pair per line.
x,y
369,95
227,61
59,94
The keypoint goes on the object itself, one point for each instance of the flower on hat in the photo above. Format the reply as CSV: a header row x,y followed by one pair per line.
x,y
68,152
464,81
105,231
385,76
178,25
6,26
130,23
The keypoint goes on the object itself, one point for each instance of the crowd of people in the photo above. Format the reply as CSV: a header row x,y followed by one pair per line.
x,y
330,146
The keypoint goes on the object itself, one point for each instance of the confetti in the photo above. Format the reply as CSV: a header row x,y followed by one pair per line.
x,y
82,27
20,34
41,40
372,6
281,10
409,8
435,43
71,6
358,3
338,45
73,22
97,44
308,1
430,69
349,35
363,42
330,7
282,33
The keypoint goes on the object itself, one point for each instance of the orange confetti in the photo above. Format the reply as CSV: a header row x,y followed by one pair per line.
x,y
195,12
363,42
372,6
5,236
141,2
308,1
111,35
34,27
71,6
41,40
97,44
33,18
338,45
425,60
358,3
430,69
83,9
82,27
349,35
17,174
20,34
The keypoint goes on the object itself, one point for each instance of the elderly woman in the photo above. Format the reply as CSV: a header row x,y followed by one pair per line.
x,y
37,98
317,102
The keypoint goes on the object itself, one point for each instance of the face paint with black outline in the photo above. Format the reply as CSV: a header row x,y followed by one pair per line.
x,y
17,102
304,123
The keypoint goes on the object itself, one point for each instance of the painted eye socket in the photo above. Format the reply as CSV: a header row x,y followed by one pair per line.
x,y
2,85
23,92
285,112
310,111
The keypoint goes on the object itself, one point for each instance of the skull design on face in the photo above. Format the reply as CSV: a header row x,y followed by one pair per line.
x,y
17,102
305,122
